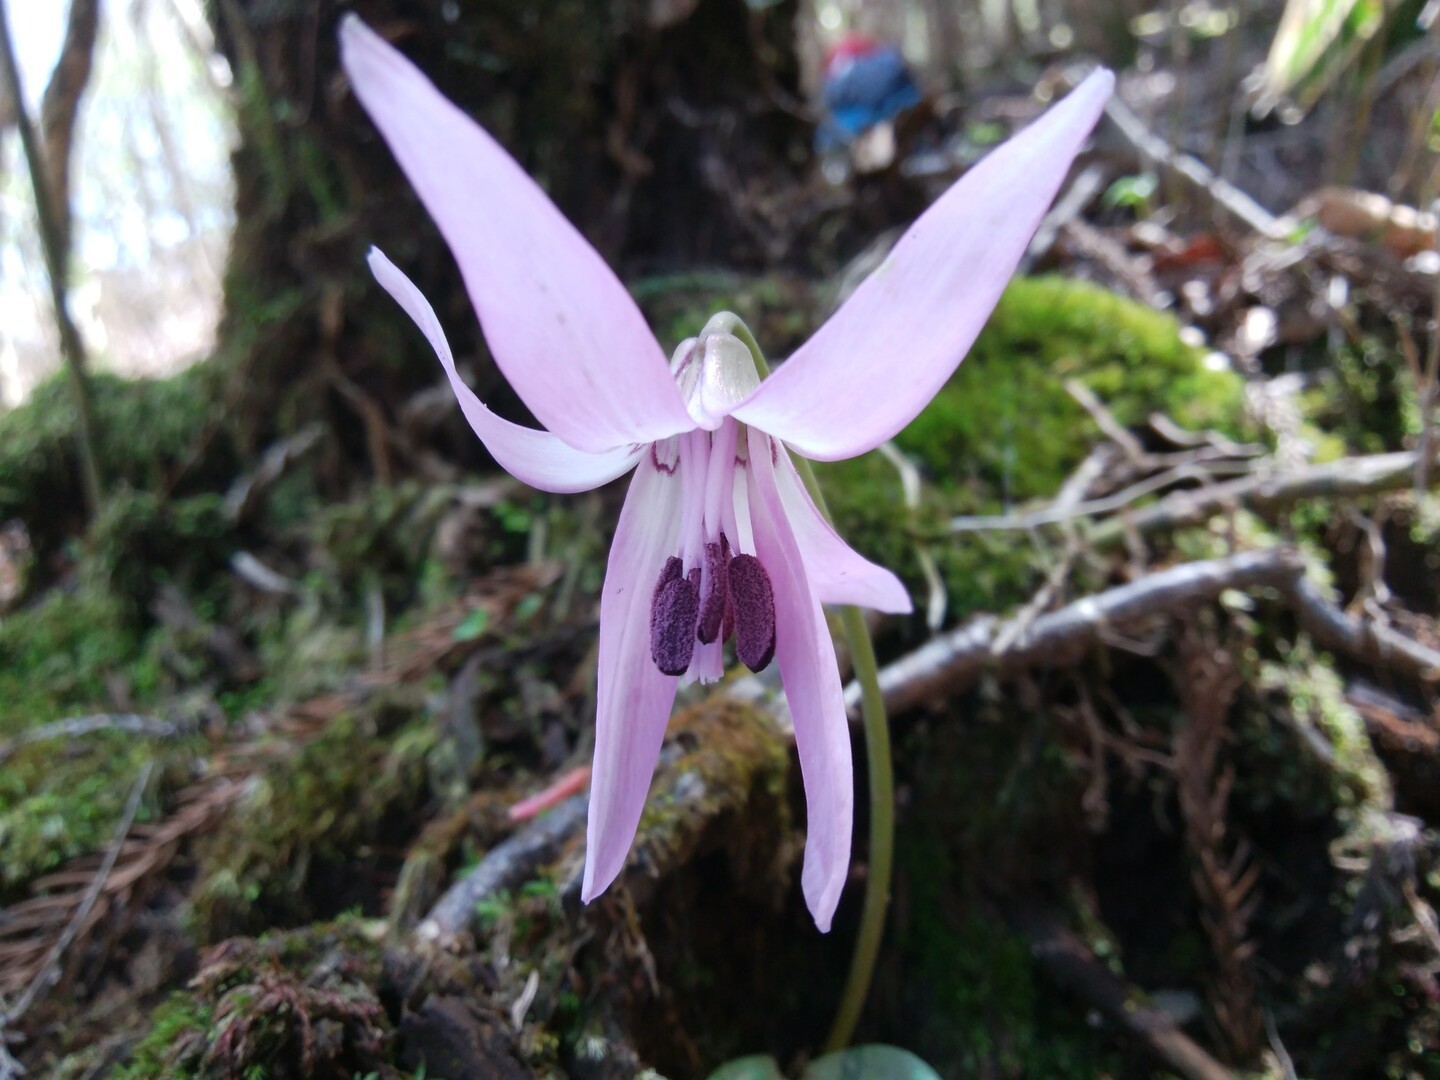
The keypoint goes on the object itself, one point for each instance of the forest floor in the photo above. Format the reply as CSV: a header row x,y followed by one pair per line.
x,y
294,737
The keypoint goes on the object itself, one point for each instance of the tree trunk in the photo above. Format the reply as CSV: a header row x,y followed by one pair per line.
x,y
648,123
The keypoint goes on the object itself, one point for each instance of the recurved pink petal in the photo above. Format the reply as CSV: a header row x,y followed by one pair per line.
x,y
880,359
537,458
805,655
560,324
633,697
837,572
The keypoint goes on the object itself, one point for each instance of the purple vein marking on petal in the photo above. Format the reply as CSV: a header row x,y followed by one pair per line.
x,y
665,456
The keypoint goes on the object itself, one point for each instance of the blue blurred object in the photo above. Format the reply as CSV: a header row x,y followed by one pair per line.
x,y
866,83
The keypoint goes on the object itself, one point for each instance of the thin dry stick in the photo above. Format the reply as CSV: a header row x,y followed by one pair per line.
x,y
1225,194
1069,961
1055,514
76,726
1345,478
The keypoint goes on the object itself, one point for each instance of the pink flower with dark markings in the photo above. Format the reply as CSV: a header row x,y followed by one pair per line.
x,y
718,539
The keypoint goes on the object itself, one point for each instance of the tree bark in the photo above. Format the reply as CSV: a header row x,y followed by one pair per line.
x,y
654,127
53,238
60,107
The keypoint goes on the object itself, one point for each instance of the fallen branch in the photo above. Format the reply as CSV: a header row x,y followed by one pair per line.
x,y
506,866
77,726
1363,639
956,661
696,785
1346,478
1069,961
1225,194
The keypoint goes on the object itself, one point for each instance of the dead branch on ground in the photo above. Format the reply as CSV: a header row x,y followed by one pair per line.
x,y
1068,960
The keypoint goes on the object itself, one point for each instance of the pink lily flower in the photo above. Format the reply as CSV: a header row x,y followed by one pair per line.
x,y
718,537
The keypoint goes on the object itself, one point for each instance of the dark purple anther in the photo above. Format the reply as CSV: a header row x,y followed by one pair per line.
x,y
754,603
673,611
713,603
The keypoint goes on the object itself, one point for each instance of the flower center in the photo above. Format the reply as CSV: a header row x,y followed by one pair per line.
x,y
738,601
714,588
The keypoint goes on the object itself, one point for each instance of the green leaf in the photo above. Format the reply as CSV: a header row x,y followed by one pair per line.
x,y
473,625
875,1062
1133,192
754,1067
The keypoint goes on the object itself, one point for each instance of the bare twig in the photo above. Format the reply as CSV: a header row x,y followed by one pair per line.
x,y
76,726
1055,513
1067,208
1172,432
247,491
254,572
1224,194
1346,478
1105,420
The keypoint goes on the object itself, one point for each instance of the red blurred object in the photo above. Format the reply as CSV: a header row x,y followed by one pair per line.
x,y
849,47
571,783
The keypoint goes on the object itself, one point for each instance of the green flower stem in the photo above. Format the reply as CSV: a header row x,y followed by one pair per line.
x,y
877,753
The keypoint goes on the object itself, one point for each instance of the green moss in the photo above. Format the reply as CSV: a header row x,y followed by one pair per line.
x,y
257,1007
1004,424
1305,746
313,811
168,1051
1362,399
735,757
55,656
987,1012
141,540
147,431
57,806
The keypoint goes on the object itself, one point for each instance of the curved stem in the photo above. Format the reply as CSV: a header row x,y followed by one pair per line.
x,y
877,755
